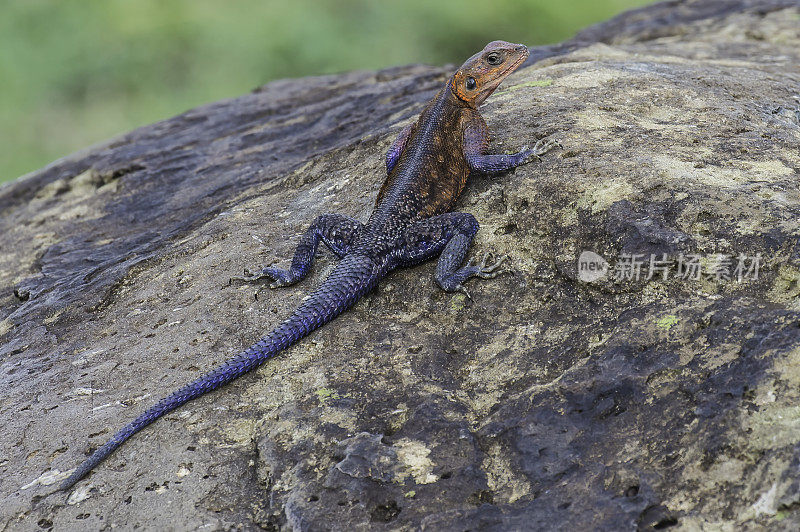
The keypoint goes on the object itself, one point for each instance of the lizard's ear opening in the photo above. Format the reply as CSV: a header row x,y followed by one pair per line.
x,y
465,86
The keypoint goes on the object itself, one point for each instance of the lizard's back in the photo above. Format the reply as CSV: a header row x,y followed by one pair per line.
x,y
432,170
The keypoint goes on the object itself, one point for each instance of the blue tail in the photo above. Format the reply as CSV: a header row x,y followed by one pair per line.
x,y
353,277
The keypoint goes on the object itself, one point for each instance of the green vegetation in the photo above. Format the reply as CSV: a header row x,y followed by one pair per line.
x,y
75,72
666,322
324,394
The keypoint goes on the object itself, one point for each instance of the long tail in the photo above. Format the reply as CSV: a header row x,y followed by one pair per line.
x,y
351,278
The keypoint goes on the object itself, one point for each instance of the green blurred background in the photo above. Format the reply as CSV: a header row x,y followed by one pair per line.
x,y
76,72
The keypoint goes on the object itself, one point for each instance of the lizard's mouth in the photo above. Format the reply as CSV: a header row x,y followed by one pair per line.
x,y
503,74
513,66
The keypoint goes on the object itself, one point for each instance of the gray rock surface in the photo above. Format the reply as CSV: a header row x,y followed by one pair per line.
x,y
546,402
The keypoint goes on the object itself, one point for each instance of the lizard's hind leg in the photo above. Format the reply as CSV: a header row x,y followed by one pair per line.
x,y
449,236
334,230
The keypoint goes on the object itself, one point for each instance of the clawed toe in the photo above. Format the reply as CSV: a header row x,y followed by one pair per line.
x,y
489,271
248,277
278,277
460,288
543,146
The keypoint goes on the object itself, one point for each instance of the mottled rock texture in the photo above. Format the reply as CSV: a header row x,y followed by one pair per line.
x,y
545,402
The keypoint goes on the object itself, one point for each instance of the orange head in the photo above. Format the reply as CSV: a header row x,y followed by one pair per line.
x,y
480,75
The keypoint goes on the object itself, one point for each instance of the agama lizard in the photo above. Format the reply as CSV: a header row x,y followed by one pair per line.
x,y
427,166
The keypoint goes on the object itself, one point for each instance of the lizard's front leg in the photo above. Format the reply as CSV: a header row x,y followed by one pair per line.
x,y
334,230
449,236
476,137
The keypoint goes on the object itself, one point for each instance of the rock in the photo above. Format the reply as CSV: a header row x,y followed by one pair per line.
x,y
546,402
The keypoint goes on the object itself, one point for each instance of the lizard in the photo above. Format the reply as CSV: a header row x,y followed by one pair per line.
x,y
427,168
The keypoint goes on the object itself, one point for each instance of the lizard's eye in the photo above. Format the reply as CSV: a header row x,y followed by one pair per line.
x,y
493,58
470,84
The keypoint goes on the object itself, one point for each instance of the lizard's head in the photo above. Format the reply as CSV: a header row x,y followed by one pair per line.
x,y
480,75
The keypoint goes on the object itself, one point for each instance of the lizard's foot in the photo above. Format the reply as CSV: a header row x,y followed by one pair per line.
x,y
484,270
541,147
489,271
278,276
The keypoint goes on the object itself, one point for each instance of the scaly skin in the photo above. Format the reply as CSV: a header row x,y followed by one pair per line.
x,y
427,169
